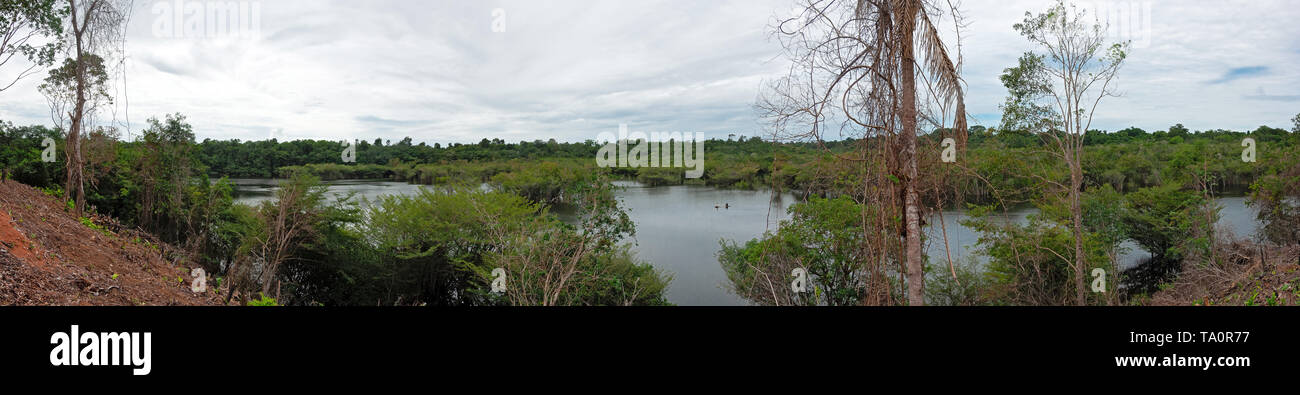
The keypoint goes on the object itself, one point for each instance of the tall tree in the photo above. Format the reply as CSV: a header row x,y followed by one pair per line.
x,y
1073,71
23,24
856,65
75,89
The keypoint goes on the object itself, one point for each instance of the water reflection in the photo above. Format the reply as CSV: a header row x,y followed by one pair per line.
x,y
253,191
678,229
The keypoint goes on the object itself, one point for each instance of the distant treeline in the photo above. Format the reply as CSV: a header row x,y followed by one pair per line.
x,y
262,159
1128,159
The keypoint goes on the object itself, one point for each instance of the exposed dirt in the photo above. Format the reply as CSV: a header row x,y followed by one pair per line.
x,y
1253,275
17,244
48,256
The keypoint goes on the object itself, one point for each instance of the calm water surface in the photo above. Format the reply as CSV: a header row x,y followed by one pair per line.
x,y
678,228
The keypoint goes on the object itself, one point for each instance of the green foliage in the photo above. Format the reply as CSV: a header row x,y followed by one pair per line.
x,y
1277,196
546,182
1032,263
335,171
438,247
43,20
964,284
263,301
54,192
618,278
92,225
824,237
1161,219
1127,160
553,263
1022,115
1103,213
423,242
660,176
20,156
61,86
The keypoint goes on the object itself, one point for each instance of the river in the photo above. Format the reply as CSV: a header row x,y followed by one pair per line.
x,y
678,228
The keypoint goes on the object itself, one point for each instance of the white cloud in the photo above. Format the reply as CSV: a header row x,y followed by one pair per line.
x,y
571,69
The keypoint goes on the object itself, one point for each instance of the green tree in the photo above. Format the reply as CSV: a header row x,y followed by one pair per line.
x,y
1178,131
1074,71
824,238
76,88
1161,219
1277,197
23,25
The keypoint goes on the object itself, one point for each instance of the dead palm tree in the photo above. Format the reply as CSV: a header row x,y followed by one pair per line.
x,y
916,31
856,65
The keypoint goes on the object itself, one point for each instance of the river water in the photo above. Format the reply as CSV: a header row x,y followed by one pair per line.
x,y
678,228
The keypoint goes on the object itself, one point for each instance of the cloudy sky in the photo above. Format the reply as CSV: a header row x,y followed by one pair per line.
x,y
437,71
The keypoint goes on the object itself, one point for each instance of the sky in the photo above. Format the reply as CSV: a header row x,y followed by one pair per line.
x,y
444,71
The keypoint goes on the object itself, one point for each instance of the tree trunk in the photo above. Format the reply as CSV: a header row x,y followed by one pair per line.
x,y
270,278
232,281
75,178
907,114
72,183
1076,210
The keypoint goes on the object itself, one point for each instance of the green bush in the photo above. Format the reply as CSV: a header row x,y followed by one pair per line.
x,y
263,300
823,237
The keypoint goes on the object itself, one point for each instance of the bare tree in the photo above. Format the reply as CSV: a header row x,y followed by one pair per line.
x,y
855,69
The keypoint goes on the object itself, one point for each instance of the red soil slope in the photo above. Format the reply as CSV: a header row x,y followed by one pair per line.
x,y
49,257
